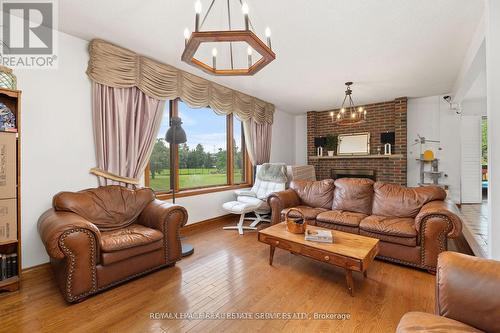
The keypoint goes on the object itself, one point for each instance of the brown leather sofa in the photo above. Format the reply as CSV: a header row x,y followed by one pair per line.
x,y
412,224
467,300
97,238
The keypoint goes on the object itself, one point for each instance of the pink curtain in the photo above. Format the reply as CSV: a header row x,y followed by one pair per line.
x,y
258,141
126,122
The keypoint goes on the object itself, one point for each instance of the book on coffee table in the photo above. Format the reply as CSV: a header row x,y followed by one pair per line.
x,y
321,236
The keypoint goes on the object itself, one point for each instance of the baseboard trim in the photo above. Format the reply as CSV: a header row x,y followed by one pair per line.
x,y
45,265
207,223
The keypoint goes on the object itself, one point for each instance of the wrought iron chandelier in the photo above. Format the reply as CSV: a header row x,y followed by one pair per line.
x,y
348,114
197,37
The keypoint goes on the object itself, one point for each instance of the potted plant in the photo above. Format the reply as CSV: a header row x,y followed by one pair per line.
x,y
331,144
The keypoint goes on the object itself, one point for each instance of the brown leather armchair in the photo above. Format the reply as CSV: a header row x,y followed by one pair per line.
x,y
97,238
466,297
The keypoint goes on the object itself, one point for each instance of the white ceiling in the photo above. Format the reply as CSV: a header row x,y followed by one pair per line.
x,y
389,48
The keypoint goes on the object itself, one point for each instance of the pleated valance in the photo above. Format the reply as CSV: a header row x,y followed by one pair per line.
x,y
115,66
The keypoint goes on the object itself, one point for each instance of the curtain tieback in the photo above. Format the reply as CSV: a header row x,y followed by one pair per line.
x,y
115,177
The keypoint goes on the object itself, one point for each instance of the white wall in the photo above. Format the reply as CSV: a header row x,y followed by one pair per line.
x,y
301,139
57,147
283,138
432,118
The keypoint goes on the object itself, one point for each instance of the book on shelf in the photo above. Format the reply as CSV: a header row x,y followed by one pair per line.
x,y
8,266
321,236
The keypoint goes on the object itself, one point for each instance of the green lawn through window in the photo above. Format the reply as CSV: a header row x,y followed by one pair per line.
x,y
191,178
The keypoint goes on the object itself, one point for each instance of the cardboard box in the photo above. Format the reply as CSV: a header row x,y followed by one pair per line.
x,y
8,220
8,162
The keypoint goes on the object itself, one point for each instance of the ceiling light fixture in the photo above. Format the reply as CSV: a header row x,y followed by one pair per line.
x,y
348,114
197,37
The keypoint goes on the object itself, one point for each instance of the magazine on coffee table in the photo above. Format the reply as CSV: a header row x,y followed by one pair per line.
x,y
321,236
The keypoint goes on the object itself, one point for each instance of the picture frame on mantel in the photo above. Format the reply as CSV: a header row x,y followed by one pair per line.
x,y
354,144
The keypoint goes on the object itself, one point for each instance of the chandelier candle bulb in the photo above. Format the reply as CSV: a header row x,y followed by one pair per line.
x,y
197,9
268,36
214,57
186,35
245,9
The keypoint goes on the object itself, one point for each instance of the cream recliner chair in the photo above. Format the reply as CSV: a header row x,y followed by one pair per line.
x,y
269,178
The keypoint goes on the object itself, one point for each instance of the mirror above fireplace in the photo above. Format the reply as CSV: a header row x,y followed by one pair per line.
x,y
354,144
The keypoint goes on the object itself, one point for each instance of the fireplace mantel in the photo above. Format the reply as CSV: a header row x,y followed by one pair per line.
x,y
344,157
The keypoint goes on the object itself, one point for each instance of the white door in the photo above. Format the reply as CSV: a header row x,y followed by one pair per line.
x,y
471,177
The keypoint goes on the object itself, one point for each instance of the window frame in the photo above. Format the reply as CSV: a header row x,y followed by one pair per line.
x,y
230,183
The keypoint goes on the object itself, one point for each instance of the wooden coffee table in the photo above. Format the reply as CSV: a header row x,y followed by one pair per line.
x,y
349,251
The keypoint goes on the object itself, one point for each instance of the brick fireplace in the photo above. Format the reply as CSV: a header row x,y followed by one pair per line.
x,y
381,117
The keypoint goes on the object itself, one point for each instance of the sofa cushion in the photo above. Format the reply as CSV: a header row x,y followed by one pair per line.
x,y
390,229
342,217
400,201
394,226
108,207
317,194
429,323
108,258
353,194
310,213
131,236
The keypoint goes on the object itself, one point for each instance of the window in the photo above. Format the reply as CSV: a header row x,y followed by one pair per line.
x,y
213,156
203,158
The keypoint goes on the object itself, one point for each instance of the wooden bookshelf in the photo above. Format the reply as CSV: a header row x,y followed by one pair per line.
x,y
12,99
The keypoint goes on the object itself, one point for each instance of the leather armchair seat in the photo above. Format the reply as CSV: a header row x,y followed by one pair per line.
x,y
413,224
466,297
100,237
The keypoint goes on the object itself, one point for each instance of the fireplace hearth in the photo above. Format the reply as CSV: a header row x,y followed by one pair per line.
x,y
353,173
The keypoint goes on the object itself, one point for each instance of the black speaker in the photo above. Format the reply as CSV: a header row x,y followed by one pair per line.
x,y
319,142
388,137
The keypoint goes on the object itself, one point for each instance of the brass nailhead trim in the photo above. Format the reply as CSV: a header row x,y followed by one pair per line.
x,y
72,259
443,246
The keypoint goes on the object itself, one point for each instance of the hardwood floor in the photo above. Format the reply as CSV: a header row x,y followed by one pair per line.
x,y
227,273
475,227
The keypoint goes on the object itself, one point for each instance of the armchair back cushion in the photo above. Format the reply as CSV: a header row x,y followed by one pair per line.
x,y
399,201
316,194
467,290
107,207
354,195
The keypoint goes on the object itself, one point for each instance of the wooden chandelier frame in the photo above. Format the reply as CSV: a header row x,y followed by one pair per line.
x,y
197,38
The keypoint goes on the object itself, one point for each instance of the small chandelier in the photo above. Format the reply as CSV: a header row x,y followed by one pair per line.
x,y
195,39
348,113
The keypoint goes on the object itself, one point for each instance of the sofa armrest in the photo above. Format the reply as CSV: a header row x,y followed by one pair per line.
x,y
54,224
167,218
467,290
444,210
70,238
281,200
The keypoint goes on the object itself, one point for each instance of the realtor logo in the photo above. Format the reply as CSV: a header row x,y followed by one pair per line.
x,y
28,34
